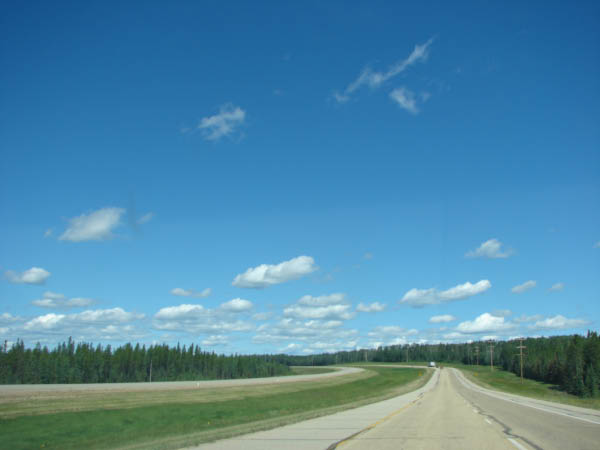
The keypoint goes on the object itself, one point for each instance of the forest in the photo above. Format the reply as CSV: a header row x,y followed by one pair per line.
x,y
572,363
86,363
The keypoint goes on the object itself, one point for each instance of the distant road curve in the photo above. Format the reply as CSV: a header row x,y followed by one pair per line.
x,y
14,390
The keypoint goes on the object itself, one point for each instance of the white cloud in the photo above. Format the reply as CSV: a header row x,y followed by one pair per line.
x,y
484,323
48,232
35,275
392,330
196,319
491,249
375,79
519,289
191,292
184,311
145,218
405,99
237,305
319,312
105,315
226,123
215,340
558,323
270,274
557,287
54,300
8,318
501,312
262,316
74,321
444,318
314,330
95,226
44,322
373,307
422,297
322,300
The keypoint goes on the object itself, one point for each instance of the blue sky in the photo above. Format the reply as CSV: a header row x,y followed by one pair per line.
x,y
301,178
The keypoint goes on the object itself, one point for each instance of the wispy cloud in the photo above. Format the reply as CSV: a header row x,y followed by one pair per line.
x,y
374,79
48,232
558,323
333,306
422,297
519,289
269,274
445,318
597,245
405,99
35,275
191,292
95,226
491,249
145,218
557,287
226,123
372,307
53,300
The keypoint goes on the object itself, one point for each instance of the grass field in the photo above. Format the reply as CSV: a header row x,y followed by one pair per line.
x,y
178,418
509,382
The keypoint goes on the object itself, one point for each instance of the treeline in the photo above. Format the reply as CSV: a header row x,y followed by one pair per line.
x,y
85,363
570,362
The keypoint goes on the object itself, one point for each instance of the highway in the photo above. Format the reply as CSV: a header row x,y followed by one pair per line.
x,y
460,415
448,413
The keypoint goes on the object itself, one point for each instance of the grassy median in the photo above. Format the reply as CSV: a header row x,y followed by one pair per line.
x,y
172,424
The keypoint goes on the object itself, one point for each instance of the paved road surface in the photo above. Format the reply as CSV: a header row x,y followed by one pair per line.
x,y
448,413
459,415
321,433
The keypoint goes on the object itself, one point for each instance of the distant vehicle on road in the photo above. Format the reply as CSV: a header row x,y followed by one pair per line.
x,y
431,364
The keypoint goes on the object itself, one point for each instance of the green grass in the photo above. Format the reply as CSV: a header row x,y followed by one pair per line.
x,y
508,382
171,425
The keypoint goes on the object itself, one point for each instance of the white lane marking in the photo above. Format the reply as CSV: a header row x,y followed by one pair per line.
x,y
476,389
516,444
487,420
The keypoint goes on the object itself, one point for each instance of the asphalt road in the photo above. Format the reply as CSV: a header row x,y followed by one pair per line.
x,y
460,415
448,413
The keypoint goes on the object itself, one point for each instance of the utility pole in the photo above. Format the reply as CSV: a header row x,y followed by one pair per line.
x,y
521,347
406,352
150,370
366,355
477,353
491,354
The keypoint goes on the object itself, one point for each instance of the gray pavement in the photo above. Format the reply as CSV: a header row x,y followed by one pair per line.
x,y
322,432
448,413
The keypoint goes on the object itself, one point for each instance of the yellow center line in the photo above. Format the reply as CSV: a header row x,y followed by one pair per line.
x,y
379,422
